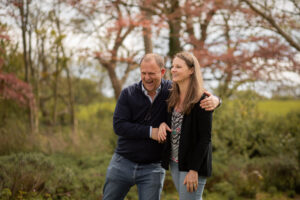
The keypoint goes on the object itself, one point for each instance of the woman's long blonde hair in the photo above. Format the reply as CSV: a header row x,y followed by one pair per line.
x,y
195,90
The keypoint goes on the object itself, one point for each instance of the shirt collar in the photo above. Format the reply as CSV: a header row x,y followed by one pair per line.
x,y
146,92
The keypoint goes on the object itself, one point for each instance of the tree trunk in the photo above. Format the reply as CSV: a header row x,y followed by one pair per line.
x,y
69,80
24,11
71,99
37,102
147,34
174,25
34,78
113,78
226,91
23,28
54,112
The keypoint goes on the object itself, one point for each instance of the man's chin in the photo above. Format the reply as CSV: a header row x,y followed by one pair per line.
x,y
150,90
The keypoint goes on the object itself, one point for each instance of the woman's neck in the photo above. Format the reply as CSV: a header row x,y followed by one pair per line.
x,y
183,88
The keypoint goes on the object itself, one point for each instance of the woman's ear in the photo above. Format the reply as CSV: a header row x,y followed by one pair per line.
x,y
192,70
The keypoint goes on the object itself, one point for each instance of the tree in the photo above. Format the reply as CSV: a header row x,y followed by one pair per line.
x,y
116,23
220,33
12,88
23,18
275,19
45,58
234,44
61,64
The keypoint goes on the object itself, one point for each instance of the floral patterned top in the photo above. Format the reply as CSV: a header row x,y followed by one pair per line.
x,y
176,123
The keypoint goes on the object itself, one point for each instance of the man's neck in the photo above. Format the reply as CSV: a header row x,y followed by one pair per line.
x,y
151,94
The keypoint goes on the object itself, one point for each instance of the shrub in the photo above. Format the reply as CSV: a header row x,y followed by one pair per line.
x,y
60,176
24,172
254,151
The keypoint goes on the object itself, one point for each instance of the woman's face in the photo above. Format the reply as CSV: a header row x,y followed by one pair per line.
x,y
180,71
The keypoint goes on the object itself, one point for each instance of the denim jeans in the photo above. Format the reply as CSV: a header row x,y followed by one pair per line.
x,y
178,178
122,174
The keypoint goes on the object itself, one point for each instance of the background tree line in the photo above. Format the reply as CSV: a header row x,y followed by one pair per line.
x,y
59,59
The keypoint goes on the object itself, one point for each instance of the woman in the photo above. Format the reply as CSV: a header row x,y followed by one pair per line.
x,y
188,149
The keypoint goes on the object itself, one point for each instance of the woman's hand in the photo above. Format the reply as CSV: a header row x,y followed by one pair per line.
x,y
162,132
191,181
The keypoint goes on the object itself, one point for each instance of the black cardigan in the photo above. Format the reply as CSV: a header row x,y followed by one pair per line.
x,y
195,148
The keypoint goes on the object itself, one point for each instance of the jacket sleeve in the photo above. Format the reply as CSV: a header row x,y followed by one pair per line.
x,y
122,120
202,125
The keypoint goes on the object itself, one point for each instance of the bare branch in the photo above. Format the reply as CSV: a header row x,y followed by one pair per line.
x,y
273,24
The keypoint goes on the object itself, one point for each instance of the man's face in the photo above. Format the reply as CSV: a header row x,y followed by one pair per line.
x,y
151,75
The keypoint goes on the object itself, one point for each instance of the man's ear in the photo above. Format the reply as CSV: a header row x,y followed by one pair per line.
x,y
163,71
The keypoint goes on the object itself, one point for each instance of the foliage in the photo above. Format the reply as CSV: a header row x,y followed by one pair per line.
x,y
94,134
254,156
280,108
96,121
86,92
37,176
11,87
252,151
24,172
235,44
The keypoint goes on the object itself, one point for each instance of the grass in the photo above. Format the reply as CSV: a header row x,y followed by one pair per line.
x,y
278,107
273,107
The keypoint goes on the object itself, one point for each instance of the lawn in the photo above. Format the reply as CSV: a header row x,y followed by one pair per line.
x,y
278,107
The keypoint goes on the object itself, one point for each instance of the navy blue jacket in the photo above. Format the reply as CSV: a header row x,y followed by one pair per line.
x,y
195,148
133,116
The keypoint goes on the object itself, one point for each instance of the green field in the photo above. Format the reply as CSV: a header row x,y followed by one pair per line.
x,y
278,107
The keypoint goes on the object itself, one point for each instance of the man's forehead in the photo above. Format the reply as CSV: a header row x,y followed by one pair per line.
x,y
150,69
149,61
149,66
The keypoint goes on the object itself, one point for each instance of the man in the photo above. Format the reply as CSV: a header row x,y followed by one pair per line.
x,y
140,109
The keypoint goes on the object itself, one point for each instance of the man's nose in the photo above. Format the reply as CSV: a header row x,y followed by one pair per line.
x,y
147,76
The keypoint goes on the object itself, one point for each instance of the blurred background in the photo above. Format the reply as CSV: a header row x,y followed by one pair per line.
x,y
63,64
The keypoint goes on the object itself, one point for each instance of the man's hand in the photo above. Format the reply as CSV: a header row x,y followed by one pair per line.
x,y
162,132
209,103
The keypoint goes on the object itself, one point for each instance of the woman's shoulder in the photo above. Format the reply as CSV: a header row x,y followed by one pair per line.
x,y
197,107
200,98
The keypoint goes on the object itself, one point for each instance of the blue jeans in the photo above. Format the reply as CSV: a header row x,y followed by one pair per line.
x,y
122,174
178,178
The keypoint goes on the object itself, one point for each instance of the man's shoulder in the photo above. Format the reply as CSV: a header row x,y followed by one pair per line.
x,y
166,84
132,89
